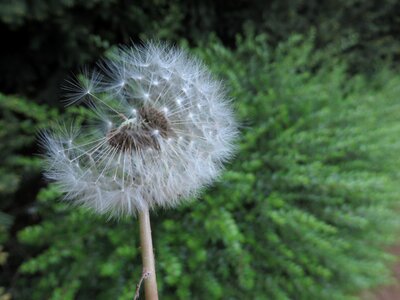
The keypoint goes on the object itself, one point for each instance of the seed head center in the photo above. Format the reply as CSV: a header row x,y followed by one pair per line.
x,y
141,132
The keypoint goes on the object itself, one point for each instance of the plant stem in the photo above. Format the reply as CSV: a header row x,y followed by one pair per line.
x,y
150,282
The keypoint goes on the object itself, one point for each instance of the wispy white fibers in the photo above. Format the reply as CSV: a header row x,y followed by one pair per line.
x,y
162,128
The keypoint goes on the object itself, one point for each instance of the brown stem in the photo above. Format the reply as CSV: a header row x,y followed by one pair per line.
x,y
149,271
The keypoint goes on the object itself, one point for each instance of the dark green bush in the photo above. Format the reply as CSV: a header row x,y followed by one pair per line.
x,y
48,39
19,174
301,213
20,167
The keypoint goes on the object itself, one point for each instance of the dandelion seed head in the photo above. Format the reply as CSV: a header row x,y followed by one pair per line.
x,y
167,130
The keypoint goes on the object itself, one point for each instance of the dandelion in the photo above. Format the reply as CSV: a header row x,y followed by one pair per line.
x,y
160,131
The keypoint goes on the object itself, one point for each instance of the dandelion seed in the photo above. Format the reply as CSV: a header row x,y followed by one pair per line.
x,y
152,149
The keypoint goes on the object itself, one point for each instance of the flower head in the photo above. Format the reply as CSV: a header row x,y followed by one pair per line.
x,y
161,130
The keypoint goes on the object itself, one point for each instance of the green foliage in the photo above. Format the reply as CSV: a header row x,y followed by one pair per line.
x,y
63,35
3,258
46,40
301,213
20,121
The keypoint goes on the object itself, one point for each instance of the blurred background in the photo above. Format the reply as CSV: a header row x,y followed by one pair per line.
x,y
308,208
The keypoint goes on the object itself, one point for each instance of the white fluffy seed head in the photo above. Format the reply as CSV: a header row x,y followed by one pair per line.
x,y
163,130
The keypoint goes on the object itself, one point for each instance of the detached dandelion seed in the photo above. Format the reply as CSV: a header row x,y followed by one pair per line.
x,y
162,130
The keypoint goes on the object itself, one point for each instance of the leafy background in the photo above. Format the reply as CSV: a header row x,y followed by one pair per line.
x,y
305,209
